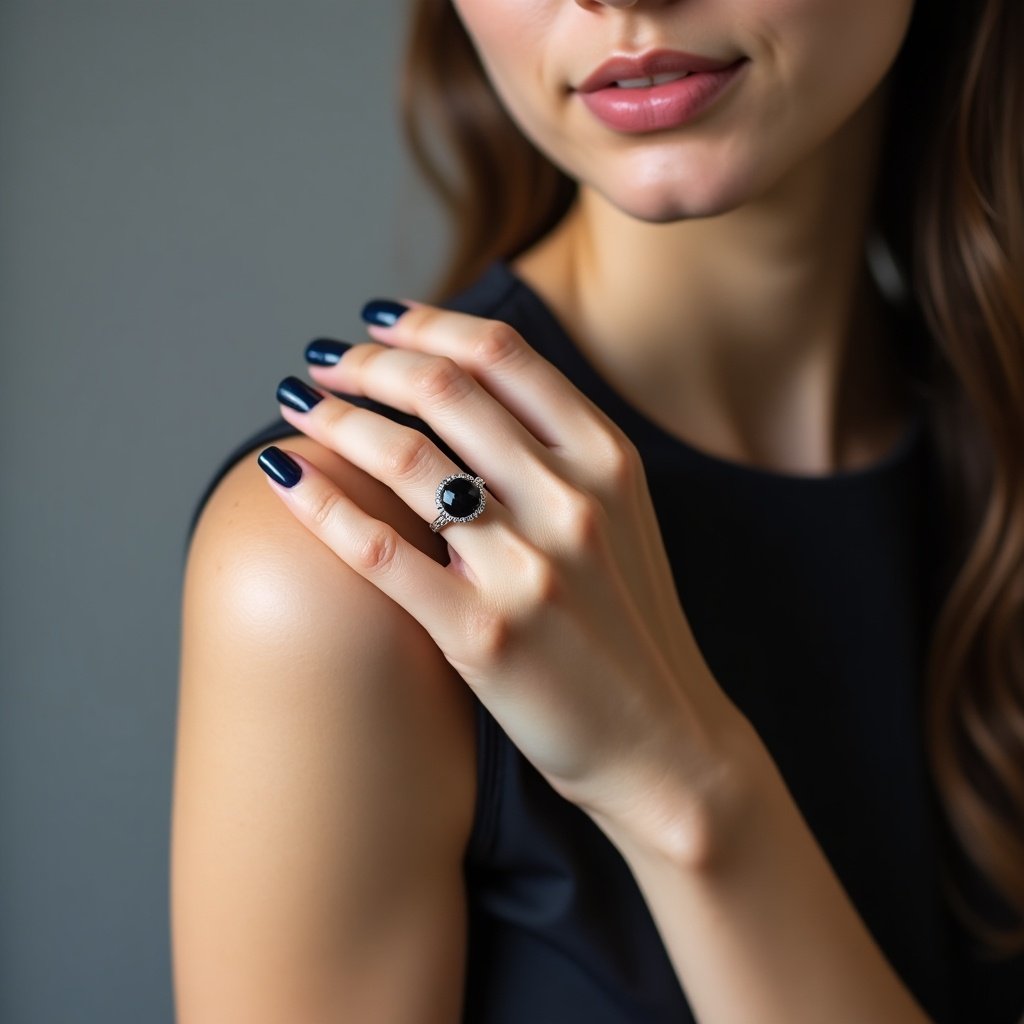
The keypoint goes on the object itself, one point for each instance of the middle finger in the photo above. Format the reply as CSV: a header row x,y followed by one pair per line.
x,y
450,399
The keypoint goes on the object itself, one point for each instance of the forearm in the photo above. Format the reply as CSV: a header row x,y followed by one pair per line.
x,y
761,929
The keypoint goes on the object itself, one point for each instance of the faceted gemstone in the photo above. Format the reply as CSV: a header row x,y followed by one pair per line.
x,y
460,497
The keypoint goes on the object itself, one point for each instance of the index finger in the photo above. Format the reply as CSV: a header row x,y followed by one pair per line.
x,y
539,395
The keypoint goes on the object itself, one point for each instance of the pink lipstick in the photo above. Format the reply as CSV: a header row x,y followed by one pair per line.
x,y
656,90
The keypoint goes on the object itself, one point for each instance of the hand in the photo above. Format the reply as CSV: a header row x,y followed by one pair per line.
x,y
558,606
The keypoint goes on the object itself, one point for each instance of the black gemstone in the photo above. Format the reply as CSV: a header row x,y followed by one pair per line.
x,y
460,497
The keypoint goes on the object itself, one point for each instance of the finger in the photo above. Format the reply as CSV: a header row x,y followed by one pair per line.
x,y
470,420
540,396
536,393
405,460
594,448
435,596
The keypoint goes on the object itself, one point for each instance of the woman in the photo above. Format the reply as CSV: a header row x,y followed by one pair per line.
x,y
702,697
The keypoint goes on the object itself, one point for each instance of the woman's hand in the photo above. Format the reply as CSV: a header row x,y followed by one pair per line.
x,y
558,606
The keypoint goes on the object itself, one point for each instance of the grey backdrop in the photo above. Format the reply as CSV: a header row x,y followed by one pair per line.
x,y
189,192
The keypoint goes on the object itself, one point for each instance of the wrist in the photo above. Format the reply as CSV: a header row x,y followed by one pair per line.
x,y
691,817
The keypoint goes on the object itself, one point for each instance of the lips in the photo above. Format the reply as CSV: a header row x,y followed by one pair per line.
x,y
647,65
658,91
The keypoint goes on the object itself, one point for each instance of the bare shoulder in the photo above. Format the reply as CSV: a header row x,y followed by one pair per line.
x,y
324,774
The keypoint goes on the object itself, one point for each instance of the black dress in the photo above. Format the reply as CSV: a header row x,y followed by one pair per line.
x,y
810,598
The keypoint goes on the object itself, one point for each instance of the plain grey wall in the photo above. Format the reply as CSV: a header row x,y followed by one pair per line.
x,y
189,192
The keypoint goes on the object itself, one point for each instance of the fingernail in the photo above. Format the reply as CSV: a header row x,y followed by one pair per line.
x,y
326,351
280,467
382,312
297,394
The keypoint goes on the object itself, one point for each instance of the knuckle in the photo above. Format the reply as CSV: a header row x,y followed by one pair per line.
x,y
324,510
490,634
407,458
544,584
497,343
493,631
583,520
618,458
440,380
377,550
332,416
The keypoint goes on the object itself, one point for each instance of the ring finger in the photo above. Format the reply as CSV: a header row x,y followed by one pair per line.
x,y
400,457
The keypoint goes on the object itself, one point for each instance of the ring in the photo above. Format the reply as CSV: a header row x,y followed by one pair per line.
x,y
460,498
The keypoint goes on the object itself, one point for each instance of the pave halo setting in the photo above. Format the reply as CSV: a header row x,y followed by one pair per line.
x,y
459,498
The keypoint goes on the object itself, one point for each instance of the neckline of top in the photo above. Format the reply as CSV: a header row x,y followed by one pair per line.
x,y
648,433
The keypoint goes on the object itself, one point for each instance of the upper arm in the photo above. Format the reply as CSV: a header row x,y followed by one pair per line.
x,y
324,777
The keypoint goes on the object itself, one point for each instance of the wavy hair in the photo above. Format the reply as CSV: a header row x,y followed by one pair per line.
x,y
950,207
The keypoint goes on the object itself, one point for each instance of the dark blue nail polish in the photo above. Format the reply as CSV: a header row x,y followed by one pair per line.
x,y
382,312
326,351
280,467
297,394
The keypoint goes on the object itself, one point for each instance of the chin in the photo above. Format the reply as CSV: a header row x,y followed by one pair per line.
x,y
664,203
678,182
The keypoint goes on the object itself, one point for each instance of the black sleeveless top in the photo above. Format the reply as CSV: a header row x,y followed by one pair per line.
x,y
811,599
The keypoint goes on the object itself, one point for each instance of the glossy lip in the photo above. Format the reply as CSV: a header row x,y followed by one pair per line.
x,y
659,107
649,64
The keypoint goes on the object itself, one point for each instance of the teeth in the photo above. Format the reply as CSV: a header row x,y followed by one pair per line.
x,y
670,77
635,83
644,83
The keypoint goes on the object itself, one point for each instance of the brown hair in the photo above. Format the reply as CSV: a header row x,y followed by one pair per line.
x,y
950,206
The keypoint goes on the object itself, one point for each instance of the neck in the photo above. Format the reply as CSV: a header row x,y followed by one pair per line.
x,y
757,333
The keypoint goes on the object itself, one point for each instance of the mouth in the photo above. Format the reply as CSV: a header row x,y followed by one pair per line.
x,y
658,99
653,68
646,83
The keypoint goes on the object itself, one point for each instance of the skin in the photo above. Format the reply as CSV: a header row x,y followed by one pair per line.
x,y
714,272
565,623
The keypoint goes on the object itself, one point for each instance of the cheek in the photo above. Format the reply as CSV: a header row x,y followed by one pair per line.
x,y
515,42
821,59
511,39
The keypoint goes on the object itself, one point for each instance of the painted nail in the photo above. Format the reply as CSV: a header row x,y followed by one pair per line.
x,y
297,394
280,467
382,312
326,351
